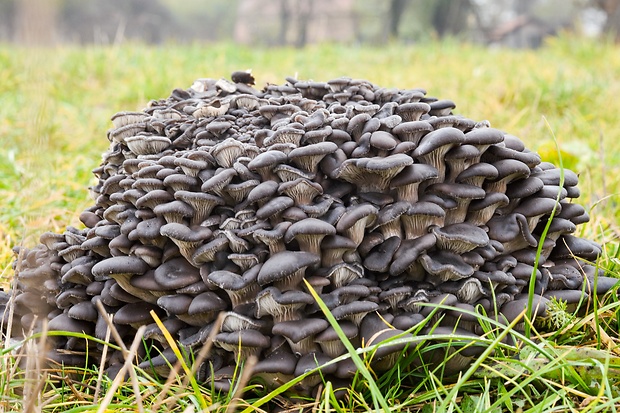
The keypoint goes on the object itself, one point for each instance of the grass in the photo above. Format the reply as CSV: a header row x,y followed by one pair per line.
x,y
54,110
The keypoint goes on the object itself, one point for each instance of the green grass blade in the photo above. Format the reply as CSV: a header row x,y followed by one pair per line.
x,y
378,398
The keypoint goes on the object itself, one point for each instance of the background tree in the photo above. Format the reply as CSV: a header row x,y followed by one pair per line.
x,y
611,8
397,7
450,17
36,22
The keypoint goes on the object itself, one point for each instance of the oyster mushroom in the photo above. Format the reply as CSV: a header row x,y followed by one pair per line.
x,y
286,269
223,198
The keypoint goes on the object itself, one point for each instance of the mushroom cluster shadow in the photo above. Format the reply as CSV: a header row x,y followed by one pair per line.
x,y
223,198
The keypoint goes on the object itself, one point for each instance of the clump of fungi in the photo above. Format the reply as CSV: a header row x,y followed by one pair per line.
x,y
224,198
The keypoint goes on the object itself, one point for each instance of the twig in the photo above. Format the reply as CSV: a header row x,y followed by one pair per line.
x,y
248,369
104,354
120,376
119,340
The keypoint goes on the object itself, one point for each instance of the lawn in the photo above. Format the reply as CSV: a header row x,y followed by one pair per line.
x,y
55,109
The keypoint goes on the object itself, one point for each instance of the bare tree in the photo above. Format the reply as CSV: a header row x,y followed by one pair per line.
x,y
35,22
397,7
449,17
285,18
304,14
612,12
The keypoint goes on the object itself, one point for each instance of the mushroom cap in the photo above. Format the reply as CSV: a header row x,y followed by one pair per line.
x,y
274,206
119,265
243,338
513,309
315,149
136,313
175,304
537,206
63,322
456,191
444,137
206,302
483,136
176,207
354,308
511,168
460,237
380,257
481,169
182,232
354,213
571,246
524,187
372,173
445,265
412,131
176,273
278,362
509,227
417,172
228,280
267,159
311,361
285,263
409,251
308,226
297,330
383,140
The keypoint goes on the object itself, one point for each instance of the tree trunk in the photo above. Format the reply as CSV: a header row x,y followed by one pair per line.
x,y
612,23
449,17
285,18
35,22
397,7
304,13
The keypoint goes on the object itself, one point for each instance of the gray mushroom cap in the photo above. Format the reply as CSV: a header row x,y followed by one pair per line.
x,y
136,314
513,309
176,273
279,362
308,157
175,304
434,145
309,233
372,174
241,289
445,266
408,180
477,173
330,342
286,264
460,238
409,251
281,305
354,221
300,333
412,131
354,311
205,302
380,257
243,343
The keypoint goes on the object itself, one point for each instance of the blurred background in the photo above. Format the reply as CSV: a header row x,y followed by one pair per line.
x,y
509,23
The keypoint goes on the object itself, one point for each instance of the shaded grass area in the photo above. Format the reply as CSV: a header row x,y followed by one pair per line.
x,y
55,107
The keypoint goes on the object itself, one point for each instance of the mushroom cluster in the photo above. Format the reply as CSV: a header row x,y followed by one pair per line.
x,y
225,198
